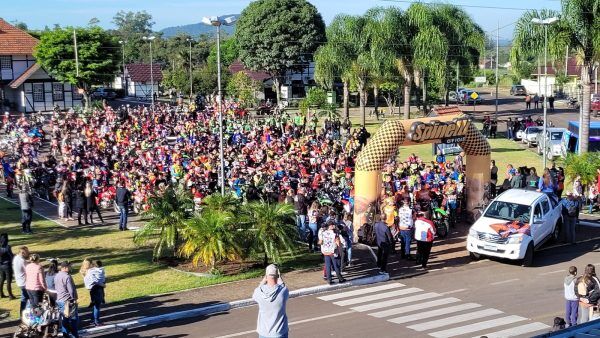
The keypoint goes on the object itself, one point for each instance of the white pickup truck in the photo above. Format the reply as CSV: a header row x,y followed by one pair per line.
x,y
515,223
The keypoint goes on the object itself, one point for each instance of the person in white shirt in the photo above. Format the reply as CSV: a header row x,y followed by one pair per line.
x,y
18,264
330,245
406,217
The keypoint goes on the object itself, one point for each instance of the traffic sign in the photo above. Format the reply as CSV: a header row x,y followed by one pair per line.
x,y
474,95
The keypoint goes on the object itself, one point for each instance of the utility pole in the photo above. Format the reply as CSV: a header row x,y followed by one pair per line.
x,y
497,59
457,80
191,76
76,52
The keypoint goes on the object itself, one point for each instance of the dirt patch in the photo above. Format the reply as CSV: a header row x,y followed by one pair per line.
x,y
225,268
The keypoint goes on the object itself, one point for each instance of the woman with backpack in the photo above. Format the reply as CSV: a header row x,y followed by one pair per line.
x,y
587,289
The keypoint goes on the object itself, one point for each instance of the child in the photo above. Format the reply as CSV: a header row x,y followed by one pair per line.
x,y
572,302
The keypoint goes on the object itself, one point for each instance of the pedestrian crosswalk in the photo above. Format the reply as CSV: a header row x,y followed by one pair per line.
x,y
433,313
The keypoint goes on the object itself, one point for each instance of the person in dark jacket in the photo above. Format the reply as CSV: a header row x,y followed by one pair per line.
x,y
122,199
80,205
90,200
68,198
385,243
26,201
6,256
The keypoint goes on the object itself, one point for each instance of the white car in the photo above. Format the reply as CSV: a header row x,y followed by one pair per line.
x,y
540,215
529,135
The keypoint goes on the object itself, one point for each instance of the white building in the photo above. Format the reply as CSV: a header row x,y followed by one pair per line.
x,y
24,85
138,80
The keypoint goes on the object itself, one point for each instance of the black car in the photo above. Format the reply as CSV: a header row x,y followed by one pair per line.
x,y
518,90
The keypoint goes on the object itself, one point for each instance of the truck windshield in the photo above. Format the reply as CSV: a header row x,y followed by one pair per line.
x,y
556,136
508,211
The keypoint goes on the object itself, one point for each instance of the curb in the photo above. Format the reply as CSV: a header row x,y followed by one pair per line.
x,y
589,224
207,310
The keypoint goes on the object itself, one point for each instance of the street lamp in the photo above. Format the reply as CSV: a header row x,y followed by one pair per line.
x,y
219,21
149,39
191,81
545,22
123,80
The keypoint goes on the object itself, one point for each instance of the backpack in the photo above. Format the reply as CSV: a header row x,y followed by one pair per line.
x,y
572,210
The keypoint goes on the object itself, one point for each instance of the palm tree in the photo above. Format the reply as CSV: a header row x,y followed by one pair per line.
x,y
578,29
221,203
274,228
167,213
208,238
345,56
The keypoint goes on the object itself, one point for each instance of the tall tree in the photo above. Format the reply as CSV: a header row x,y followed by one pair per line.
x,y
579,30
98,56
279,35
131,27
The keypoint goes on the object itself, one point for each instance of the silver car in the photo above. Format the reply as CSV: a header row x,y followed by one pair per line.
x,y
554,143
529,135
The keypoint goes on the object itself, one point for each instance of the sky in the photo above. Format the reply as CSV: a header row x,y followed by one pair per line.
x,y
40,13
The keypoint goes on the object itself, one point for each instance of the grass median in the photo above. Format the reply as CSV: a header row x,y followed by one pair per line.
x,y
129,268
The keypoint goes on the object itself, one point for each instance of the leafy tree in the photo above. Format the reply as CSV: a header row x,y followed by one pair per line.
x,y
316,97
229,52
221,203
390,89
178,79
243,88
168,212
278,35
205,79
584,165
93,22
578,29
98,56
209,238
131,27
274,229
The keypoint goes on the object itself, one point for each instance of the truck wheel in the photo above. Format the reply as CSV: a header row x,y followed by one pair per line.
x,y
549,156
528,259
474,256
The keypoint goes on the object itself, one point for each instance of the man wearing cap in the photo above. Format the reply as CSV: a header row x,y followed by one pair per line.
x,y
66,297
570,212
424,234
271,296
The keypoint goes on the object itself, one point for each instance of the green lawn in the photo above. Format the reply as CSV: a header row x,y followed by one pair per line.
x,y
129,270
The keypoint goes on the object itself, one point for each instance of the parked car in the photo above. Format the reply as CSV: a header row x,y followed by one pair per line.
x,y
530,218
596,104
554,143
529,135
466,97
104,93
518,90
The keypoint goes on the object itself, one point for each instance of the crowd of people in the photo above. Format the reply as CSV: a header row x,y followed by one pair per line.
x,y
50,284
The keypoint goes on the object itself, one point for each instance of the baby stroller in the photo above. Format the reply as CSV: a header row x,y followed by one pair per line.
x,y
40,321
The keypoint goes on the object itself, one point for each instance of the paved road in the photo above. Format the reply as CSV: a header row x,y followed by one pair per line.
x,y
492,298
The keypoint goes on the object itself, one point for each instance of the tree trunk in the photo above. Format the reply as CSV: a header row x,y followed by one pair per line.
x,y
277,86
406,99
362,93
586,76
345,99
375,100
265,260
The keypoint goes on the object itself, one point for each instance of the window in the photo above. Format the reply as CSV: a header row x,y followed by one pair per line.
x,y
545,206
537,213
57,92
38,92
5,62
76,94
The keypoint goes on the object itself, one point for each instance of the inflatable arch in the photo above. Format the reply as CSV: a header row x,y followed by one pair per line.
x,y
394,133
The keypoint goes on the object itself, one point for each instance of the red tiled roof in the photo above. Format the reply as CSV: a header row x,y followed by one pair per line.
x,y
140,72
23,77
443,110
573,69
237,66
14,41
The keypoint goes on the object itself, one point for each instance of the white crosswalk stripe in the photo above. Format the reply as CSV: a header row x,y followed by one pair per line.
x,y
433,313
414,307
397,301
457,331
516,331
435,324
361,291
378,296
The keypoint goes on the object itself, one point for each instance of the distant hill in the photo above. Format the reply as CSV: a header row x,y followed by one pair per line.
x,y
195,30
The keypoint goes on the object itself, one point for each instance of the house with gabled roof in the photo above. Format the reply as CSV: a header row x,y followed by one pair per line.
x,y
138,79
24,85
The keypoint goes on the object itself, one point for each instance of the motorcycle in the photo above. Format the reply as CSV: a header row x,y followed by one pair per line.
x,y
40,321
440,220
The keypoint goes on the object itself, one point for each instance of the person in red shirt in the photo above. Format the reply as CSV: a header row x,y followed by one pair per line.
x,y
424,234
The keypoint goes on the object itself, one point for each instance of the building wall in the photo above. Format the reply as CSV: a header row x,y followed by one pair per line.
x,y
30,97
